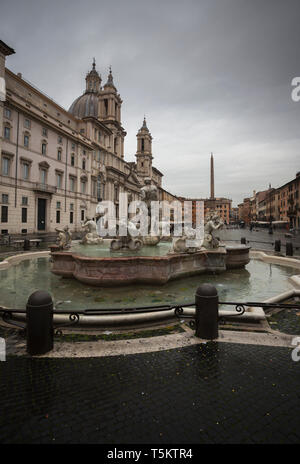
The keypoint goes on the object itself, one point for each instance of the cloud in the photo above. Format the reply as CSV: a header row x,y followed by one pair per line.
x,y
210,75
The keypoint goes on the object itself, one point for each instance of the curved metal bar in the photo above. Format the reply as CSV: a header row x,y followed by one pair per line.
x,y
178,311
7,318
74,319
192,324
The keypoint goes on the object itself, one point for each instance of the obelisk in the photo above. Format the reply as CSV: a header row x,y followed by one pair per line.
x,y
212,178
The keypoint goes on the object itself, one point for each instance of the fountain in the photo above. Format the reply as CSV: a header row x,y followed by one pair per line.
x,y
128,259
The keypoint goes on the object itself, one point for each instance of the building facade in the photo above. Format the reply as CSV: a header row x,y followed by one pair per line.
x,y
274,204
56,165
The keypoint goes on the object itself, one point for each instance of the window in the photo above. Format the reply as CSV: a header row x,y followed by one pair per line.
x,y
58,180
44,148
25,171
7,113
143,144
95,133
59,155
106,107
27,123
71,217
45,132
82,131
83,164
99,136
73,146
72,160
24,200
84,152
57,217
58,205
7,132
94,188
26,141
83,185
72,184
5,166
98,155
43,176
82,214
98,188
59,139
116,191
24,214
71,206
5,198
4,213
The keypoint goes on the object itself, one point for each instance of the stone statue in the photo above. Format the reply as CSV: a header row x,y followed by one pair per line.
x,y
126,241
99,215
91,237
213,223
149,193
64,238
181,244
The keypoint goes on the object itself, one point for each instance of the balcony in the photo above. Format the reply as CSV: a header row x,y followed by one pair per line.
x,y
45,188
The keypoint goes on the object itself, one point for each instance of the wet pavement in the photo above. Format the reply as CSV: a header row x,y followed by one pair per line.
x,y
208,393
260,239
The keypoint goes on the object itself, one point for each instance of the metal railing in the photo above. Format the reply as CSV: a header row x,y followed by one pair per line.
x,y
7,314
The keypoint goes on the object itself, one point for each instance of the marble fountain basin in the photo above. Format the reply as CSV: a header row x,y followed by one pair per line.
x,y
151,265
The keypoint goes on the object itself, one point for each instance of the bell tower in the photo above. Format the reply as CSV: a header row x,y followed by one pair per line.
x,y
110,104
144,151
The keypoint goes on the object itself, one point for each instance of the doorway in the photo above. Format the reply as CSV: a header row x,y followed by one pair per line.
x,y
41,219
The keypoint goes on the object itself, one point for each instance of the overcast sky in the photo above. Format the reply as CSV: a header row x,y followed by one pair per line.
x,y
210,75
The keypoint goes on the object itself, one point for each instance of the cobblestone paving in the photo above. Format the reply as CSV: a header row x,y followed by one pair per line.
x,y
209,393
287,321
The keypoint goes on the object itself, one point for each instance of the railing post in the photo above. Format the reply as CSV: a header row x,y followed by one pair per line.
x,y
277,245
243,241
26,245
207,314
289,249
39,318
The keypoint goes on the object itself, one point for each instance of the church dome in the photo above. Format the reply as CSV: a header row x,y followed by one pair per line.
x,y
84,106
87,104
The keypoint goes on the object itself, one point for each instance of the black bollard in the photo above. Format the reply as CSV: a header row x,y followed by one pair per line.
x,y
243,240
39,318
26,245
277,245
289,249
207,314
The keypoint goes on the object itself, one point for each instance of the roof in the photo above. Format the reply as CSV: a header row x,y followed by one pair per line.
x,y
5,49
85,105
